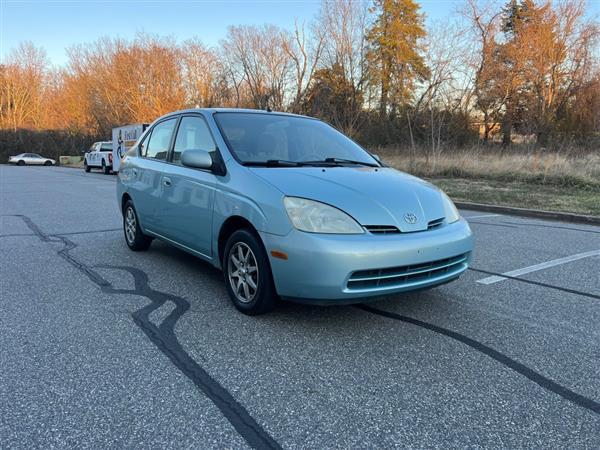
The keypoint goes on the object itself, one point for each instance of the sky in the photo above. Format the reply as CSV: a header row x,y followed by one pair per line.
x,y
56,25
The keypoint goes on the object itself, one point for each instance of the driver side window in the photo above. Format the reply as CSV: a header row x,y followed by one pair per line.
x,y
193,134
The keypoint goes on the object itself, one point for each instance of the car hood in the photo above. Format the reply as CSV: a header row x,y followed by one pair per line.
x,y
373,196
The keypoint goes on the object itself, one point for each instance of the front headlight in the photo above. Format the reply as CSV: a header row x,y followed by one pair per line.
x,y
317,217
452,214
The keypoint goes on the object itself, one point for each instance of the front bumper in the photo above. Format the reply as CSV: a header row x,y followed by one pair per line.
x,y
324,268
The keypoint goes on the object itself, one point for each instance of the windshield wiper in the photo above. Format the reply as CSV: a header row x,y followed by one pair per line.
x,y
273,163
323,162
343,161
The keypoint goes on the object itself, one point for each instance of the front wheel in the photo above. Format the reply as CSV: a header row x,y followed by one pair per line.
x,y
85,166
47,163
134,237
248,274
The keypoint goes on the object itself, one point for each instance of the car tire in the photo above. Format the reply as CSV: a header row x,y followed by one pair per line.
x,y
134,237
239,277
86,167
105,168
21,163
48,163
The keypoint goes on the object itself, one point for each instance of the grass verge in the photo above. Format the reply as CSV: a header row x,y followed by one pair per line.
x,y
573,199
532,166
522,176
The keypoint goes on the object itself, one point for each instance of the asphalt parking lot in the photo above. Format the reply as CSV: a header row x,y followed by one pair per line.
x,y
104,347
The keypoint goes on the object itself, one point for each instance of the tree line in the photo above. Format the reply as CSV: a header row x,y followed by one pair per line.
x,y
375,71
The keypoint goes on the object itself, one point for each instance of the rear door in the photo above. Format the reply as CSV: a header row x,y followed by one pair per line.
x,y
148,175
92,155
106,149
188,194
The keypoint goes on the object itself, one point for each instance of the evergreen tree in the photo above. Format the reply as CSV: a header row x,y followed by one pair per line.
x,y
394,54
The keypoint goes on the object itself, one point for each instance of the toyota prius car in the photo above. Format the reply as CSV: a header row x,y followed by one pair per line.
x,y
288,208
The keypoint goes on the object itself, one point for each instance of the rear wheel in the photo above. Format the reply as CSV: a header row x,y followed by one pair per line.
x,y
134,237
21,163
85,166
105,168
248,274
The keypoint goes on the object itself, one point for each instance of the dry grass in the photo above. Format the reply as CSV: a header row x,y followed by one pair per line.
x,y
523,195
527,165
566,180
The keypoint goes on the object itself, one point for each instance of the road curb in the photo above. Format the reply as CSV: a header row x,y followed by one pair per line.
x,y
535,213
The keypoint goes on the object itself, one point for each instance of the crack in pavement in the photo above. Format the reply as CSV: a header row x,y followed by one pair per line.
x,y
69,233
538,283
503,359
582,230
164,338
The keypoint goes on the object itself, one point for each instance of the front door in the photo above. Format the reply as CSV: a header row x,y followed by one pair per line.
x,y
188,194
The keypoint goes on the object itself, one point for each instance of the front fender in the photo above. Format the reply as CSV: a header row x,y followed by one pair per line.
x,y
242,194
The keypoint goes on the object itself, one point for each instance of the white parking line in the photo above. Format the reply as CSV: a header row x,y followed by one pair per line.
x,y
544,265
480,217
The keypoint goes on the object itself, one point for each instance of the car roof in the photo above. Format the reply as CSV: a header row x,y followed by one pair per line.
x,y
103,142
237,110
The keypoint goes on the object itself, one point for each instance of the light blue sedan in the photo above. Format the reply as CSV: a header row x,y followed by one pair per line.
x,y
288,208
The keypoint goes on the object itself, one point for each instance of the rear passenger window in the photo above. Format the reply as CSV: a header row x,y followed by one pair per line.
x,y
157,146
193,134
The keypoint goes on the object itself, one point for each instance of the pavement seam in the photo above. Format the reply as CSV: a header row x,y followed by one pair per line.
x,y
583,230
72,233
165,339
503,359
538,283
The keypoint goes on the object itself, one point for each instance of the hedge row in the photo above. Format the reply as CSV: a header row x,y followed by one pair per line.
x,y
48,143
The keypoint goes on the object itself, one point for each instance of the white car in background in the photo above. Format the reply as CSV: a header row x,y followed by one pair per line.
x,y
31,159
99,156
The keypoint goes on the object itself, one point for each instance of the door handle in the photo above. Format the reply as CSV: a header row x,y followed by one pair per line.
x,y
166,182
134,172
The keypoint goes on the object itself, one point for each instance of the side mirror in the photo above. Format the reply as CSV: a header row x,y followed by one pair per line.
x,y
198,159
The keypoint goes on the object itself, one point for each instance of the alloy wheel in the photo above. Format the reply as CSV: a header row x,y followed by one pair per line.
x,y
130,225
243,272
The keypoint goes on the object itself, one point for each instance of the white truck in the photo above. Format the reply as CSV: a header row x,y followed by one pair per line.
x,y
100,156
123,138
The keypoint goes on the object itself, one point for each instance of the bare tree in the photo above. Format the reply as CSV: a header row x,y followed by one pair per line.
x,y
305,54
203,76
447,90
22,87
258,59
557,45
345,23
484,23
122,82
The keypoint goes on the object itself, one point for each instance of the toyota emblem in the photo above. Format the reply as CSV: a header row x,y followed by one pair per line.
x,y
410,218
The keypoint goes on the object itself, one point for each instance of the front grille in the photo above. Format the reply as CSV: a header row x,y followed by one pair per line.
x,y
382,229
391,229
435,224
403,275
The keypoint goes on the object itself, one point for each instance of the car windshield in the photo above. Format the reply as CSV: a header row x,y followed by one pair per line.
x,y
280,140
